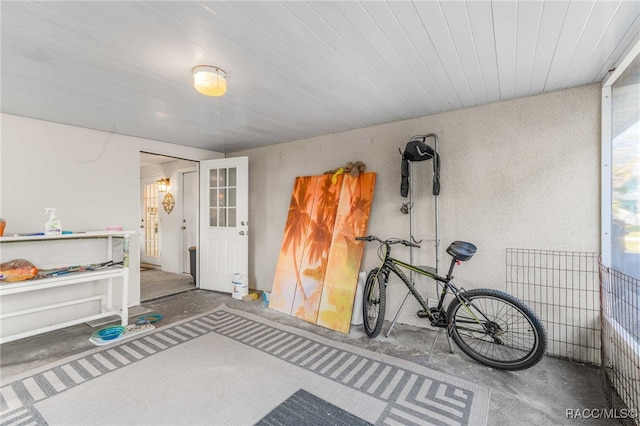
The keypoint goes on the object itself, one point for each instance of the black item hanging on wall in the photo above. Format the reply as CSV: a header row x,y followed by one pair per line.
x,y
418,150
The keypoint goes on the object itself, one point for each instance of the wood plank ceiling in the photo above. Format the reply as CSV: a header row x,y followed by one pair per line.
x,y
295,69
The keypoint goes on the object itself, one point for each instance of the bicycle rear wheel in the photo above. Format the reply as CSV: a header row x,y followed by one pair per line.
x,y
374,303
496,329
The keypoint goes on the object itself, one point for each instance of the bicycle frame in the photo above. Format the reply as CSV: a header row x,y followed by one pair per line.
x,y
391,264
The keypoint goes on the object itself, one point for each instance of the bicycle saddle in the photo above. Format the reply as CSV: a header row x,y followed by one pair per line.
x,y
461,250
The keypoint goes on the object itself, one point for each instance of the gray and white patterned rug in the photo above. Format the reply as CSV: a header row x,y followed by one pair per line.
x,y
231,367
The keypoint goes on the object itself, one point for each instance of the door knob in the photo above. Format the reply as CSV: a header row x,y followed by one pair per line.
x,y
183,227
241,232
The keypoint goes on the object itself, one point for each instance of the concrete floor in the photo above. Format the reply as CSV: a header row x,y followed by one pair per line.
x,y
537,396
155,284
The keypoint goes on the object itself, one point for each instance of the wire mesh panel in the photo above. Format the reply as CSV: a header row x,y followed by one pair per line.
x,y
621,334
562,288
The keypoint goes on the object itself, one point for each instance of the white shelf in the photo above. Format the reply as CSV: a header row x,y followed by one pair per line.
x,y
74,236
7,288
72,278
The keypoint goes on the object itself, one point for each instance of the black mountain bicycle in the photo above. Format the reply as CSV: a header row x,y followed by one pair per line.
x,y
491,326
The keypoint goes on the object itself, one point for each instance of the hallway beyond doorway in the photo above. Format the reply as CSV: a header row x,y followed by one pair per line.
x,y
155,284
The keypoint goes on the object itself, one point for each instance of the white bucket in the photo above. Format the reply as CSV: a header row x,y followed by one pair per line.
x,y
240,285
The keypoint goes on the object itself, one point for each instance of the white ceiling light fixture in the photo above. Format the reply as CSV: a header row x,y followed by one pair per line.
x,y
209,80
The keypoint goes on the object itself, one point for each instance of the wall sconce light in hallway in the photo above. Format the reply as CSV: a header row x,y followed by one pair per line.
x,y
163,185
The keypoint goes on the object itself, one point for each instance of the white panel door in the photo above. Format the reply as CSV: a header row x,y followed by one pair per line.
x,y
224,213
189,216
149,222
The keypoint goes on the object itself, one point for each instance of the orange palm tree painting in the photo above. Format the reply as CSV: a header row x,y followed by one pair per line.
x,y
321,214
341,279
295,232
316,248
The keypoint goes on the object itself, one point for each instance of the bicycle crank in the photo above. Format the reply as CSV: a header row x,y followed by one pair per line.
x,y
438,317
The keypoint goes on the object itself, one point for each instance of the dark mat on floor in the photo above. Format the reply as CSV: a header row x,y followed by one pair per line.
x,y
303,408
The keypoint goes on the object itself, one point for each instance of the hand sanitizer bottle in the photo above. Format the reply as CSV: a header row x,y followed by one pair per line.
x,y
53,226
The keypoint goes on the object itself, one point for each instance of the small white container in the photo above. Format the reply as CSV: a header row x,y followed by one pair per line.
x,y
53,226
240,285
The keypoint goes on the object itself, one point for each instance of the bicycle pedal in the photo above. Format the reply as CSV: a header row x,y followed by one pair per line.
x,y
422,314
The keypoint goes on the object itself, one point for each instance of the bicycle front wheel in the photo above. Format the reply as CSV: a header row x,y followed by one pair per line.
x,y
374,303
496,329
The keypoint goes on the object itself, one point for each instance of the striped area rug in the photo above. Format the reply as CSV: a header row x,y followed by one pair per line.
x,y
236,368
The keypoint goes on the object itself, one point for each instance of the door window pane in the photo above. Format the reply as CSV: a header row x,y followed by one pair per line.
x,y
213,217
222,197
232,217
213,178
213,198
222,178
232,197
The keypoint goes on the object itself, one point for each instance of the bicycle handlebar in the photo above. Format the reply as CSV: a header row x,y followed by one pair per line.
x,y
389,241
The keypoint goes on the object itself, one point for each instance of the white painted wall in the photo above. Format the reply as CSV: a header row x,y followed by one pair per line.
x,y
517,174
170,223
91,177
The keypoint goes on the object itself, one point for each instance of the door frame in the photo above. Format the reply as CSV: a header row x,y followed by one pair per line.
x,y
180,173
198,169
176,182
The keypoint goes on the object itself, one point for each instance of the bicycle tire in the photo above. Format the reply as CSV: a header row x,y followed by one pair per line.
x,y
518,340
375,299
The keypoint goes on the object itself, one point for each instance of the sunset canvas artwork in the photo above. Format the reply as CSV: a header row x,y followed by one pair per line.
x,y
317,271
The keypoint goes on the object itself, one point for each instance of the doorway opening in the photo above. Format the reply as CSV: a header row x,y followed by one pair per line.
x,y
168,225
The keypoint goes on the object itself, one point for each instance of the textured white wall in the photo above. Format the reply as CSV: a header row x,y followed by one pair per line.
x,y
522,174
91,177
